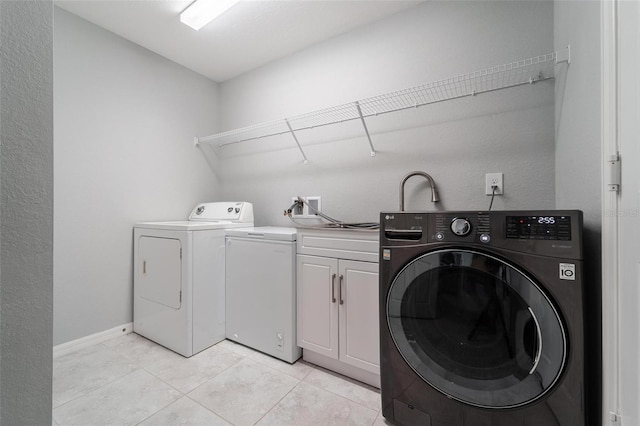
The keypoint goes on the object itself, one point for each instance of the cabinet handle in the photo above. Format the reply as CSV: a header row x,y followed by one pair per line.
x,y
333,288
144,267
340,289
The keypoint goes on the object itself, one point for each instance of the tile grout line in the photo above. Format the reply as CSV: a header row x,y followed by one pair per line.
x,y
340,396
348,380
277,403
214,376
157,411
182,394
209,410
104,384
91,392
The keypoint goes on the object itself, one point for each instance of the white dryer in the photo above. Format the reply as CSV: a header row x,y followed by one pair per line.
x,y
179,276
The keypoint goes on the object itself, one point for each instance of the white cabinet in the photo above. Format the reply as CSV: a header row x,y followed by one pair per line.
x,y
317,307
358,315
338,301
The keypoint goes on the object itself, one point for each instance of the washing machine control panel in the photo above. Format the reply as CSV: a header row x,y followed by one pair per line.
x,y
468,227
547,232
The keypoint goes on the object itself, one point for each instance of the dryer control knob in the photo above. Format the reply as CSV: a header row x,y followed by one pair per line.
x,y
460,226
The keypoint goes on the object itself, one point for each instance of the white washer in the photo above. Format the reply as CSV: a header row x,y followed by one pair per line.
x,y
261,290
178,281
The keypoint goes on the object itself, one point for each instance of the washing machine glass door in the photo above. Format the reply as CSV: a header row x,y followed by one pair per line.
x,y
476,328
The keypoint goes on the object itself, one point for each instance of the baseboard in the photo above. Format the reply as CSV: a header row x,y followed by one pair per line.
x,y
356,373
92,339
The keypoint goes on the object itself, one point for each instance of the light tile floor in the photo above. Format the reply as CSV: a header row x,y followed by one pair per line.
x,y
132,381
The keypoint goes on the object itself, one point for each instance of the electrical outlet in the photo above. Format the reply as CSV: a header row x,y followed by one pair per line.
x,y
492,179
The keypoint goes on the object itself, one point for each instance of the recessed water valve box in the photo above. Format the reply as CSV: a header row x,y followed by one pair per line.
x,y
309,208
313,204
297,208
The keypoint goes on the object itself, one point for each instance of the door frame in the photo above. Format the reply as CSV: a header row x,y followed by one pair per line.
x,y
610,204
620,273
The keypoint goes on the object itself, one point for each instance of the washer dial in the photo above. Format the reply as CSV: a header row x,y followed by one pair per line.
x,y
460,226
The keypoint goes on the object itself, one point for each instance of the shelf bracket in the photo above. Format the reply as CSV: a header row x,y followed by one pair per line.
x,y
295,138
564,56
366,130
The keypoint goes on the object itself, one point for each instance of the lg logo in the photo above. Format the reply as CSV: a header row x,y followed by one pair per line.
x,y
567,271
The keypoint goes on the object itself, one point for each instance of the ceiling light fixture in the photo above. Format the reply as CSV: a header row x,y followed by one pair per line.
x,y
201,12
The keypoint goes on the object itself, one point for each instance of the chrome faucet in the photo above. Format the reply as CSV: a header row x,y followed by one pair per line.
x,y
432,184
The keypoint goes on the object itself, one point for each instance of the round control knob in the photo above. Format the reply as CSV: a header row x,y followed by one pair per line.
x,y
460,226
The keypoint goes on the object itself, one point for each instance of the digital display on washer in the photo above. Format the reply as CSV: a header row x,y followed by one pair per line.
x,y
539,227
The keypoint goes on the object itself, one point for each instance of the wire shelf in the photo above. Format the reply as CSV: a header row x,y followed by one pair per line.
x,y
526,71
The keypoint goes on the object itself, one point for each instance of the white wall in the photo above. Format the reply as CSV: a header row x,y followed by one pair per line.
x,y
578,174
26,211
578,159
125,119
456,142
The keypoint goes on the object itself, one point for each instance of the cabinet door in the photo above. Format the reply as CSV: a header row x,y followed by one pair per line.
x,y
359,310
317,304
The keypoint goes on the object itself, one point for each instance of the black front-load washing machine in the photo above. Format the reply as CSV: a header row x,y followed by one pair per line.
x,y
481,318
